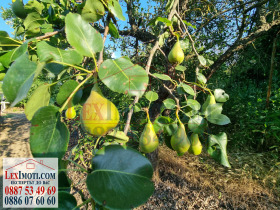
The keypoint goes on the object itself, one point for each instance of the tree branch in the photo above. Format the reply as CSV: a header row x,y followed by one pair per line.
x,y
47,35
241,43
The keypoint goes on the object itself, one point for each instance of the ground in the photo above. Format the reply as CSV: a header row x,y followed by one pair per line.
x,y
188,182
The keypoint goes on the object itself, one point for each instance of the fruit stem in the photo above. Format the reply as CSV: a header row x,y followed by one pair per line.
x,y
95,64
97,141
177,110
148,116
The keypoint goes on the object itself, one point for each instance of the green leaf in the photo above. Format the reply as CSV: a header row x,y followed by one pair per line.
x,y
34,6
217,148
120,178
47,28
137,107
19,31
168,124
64,183
47,52
213,109
185,44
220,95
12,55
218,119
32,23
151,96
169,103
186,88
113,30
66,201
189,24
18,79
6,42
82,36
180,68
118,135
209,62
163,20
54,68
93,10
39,98
162,76
18,9
197,124
115,9
65,91
202,60
194,104
2,75
201,78
122,76
48,136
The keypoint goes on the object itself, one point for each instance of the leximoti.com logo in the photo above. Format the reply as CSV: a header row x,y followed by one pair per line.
x,y
30,182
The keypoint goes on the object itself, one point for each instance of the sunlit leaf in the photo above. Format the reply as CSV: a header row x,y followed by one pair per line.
x,y
217,148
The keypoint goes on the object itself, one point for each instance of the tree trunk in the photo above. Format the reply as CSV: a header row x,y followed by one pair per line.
x,y
271,72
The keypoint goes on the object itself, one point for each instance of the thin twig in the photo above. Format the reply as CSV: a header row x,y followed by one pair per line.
x,y
100,60
47,35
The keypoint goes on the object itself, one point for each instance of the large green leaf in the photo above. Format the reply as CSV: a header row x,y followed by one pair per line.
x,y
197,124
47,52
122,76
18,79
120,178
217,148
49,137
66,89
12,55
81,35
32,23
40,98
218,119
115,9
